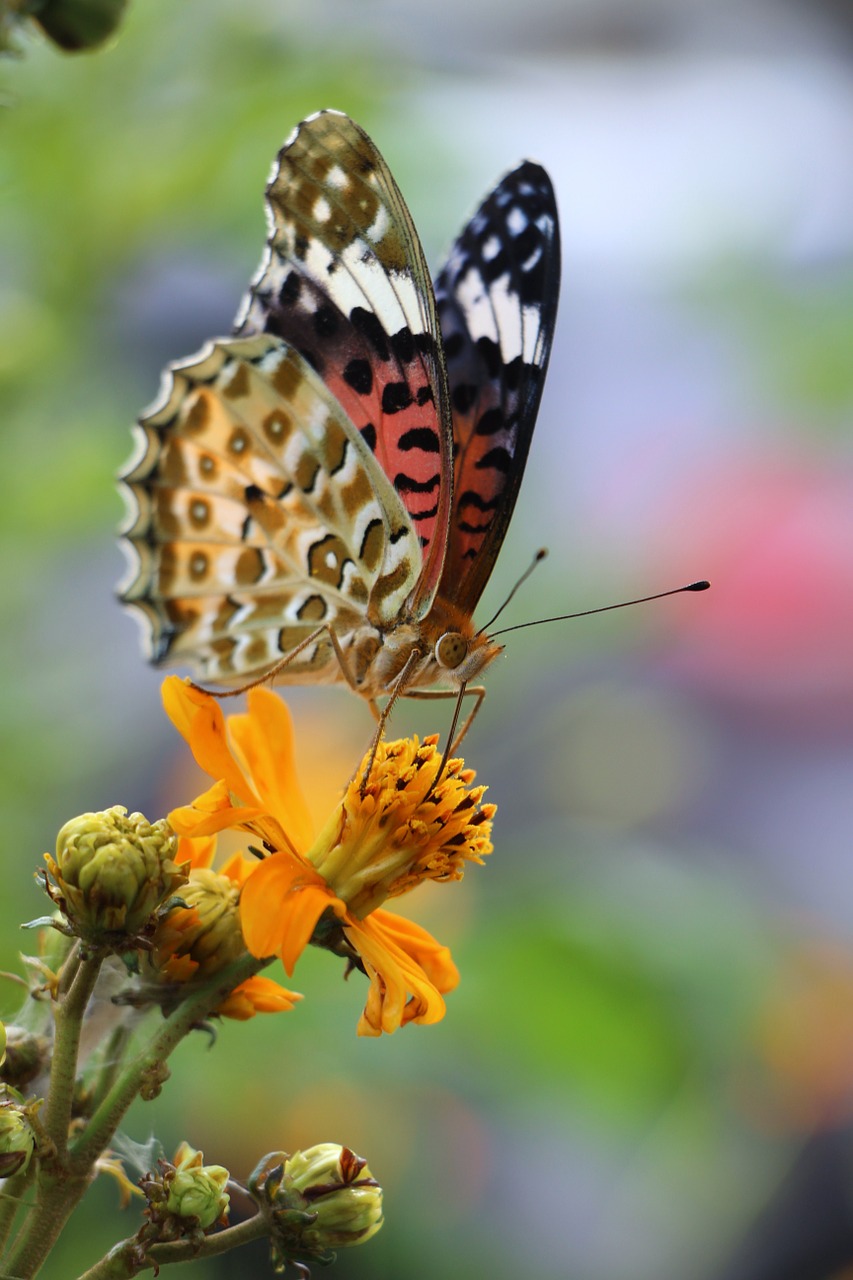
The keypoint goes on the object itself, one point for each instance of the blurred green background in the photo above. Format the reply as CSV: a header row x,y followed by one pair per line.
x,y
647,1070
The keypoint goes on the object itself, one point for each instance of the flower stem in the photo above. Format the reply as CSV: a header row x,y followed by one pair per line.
x,y
129,1258
68,1018
111,1062
58,1196
11,1201
109,1112
64,1176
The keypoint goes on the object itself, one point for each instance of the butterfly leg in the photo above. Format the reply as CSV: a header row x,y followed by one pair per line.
x,y
477,691
454,739
382,716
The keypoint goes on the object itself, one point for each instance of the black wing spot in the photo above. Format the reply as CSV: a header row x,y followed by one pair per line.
x,y
470,498
514,372
403,345
490,422
407,484
424,395
369,327
396,396
500,459
429,514
495,268
368,435
423,438
290,290
464,396
325,322
454,345
359,375
490,353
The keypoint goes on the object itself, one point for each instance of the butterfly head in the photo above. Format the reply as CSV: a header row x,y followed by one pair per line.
x,y
461,657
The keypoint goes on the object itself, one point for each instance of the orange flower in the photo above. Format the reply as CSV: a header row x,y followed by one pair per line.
x,y
376,845
193,941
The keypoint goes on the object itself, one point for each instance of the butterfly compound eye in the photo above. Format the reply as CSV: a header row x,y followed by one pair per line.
x,y
451,649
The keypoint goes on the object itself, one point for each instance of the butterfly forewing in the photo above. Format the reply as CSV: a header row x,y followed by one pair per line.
x,y
261,513
497,302
318,475
345,281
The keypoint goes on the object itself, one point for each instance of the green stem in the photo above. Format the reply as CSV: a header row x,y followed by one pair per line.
x,y
68,1019
111,1062
63,1179
58,1196
11,1201
109,1112
129,1258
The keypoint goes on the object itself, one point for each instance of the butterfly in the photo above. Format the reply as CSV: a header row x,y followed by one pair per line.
x,y
323,495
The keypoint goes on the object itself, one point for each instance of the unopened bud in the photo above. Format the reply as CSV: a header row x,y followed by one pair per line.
x,y
17,1140
26,1056
201,934
79,24
195,1189
337,1185
113,871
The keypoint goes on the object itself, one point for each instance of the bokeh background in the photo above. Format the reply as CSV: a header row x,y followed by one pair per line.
x,y
647,1070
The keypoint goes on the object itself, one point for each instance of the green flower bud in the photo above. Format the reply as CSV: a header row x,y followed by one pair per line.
x,y
197,939
337,1185
197,1190
17,1140
79,24
112,872
26,1056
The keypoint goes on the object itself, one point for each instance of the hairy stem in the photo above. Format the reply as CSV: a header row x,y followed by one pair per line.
x,y
11,1202
68,1019
64,1176
108,1114
111,1060
129,1258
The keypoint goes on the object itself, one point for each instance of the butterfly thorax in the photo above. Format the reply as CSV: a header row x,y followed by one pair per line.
x,y
448,650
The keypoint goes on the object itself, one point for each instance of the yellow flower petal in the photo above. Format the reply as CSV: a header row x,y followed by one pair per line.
x,y
266,742
197,852
199,718
189,821
433,957
257,995
281,902
401,990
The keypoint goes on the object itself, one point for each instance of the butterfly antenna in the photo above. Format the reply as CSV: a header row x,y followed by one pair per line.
x,y
537,559
585,613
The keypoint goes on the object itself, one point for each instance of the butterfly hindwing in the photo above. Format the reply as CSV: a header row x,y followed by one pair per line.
x,y
259,514
497,302
345,281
